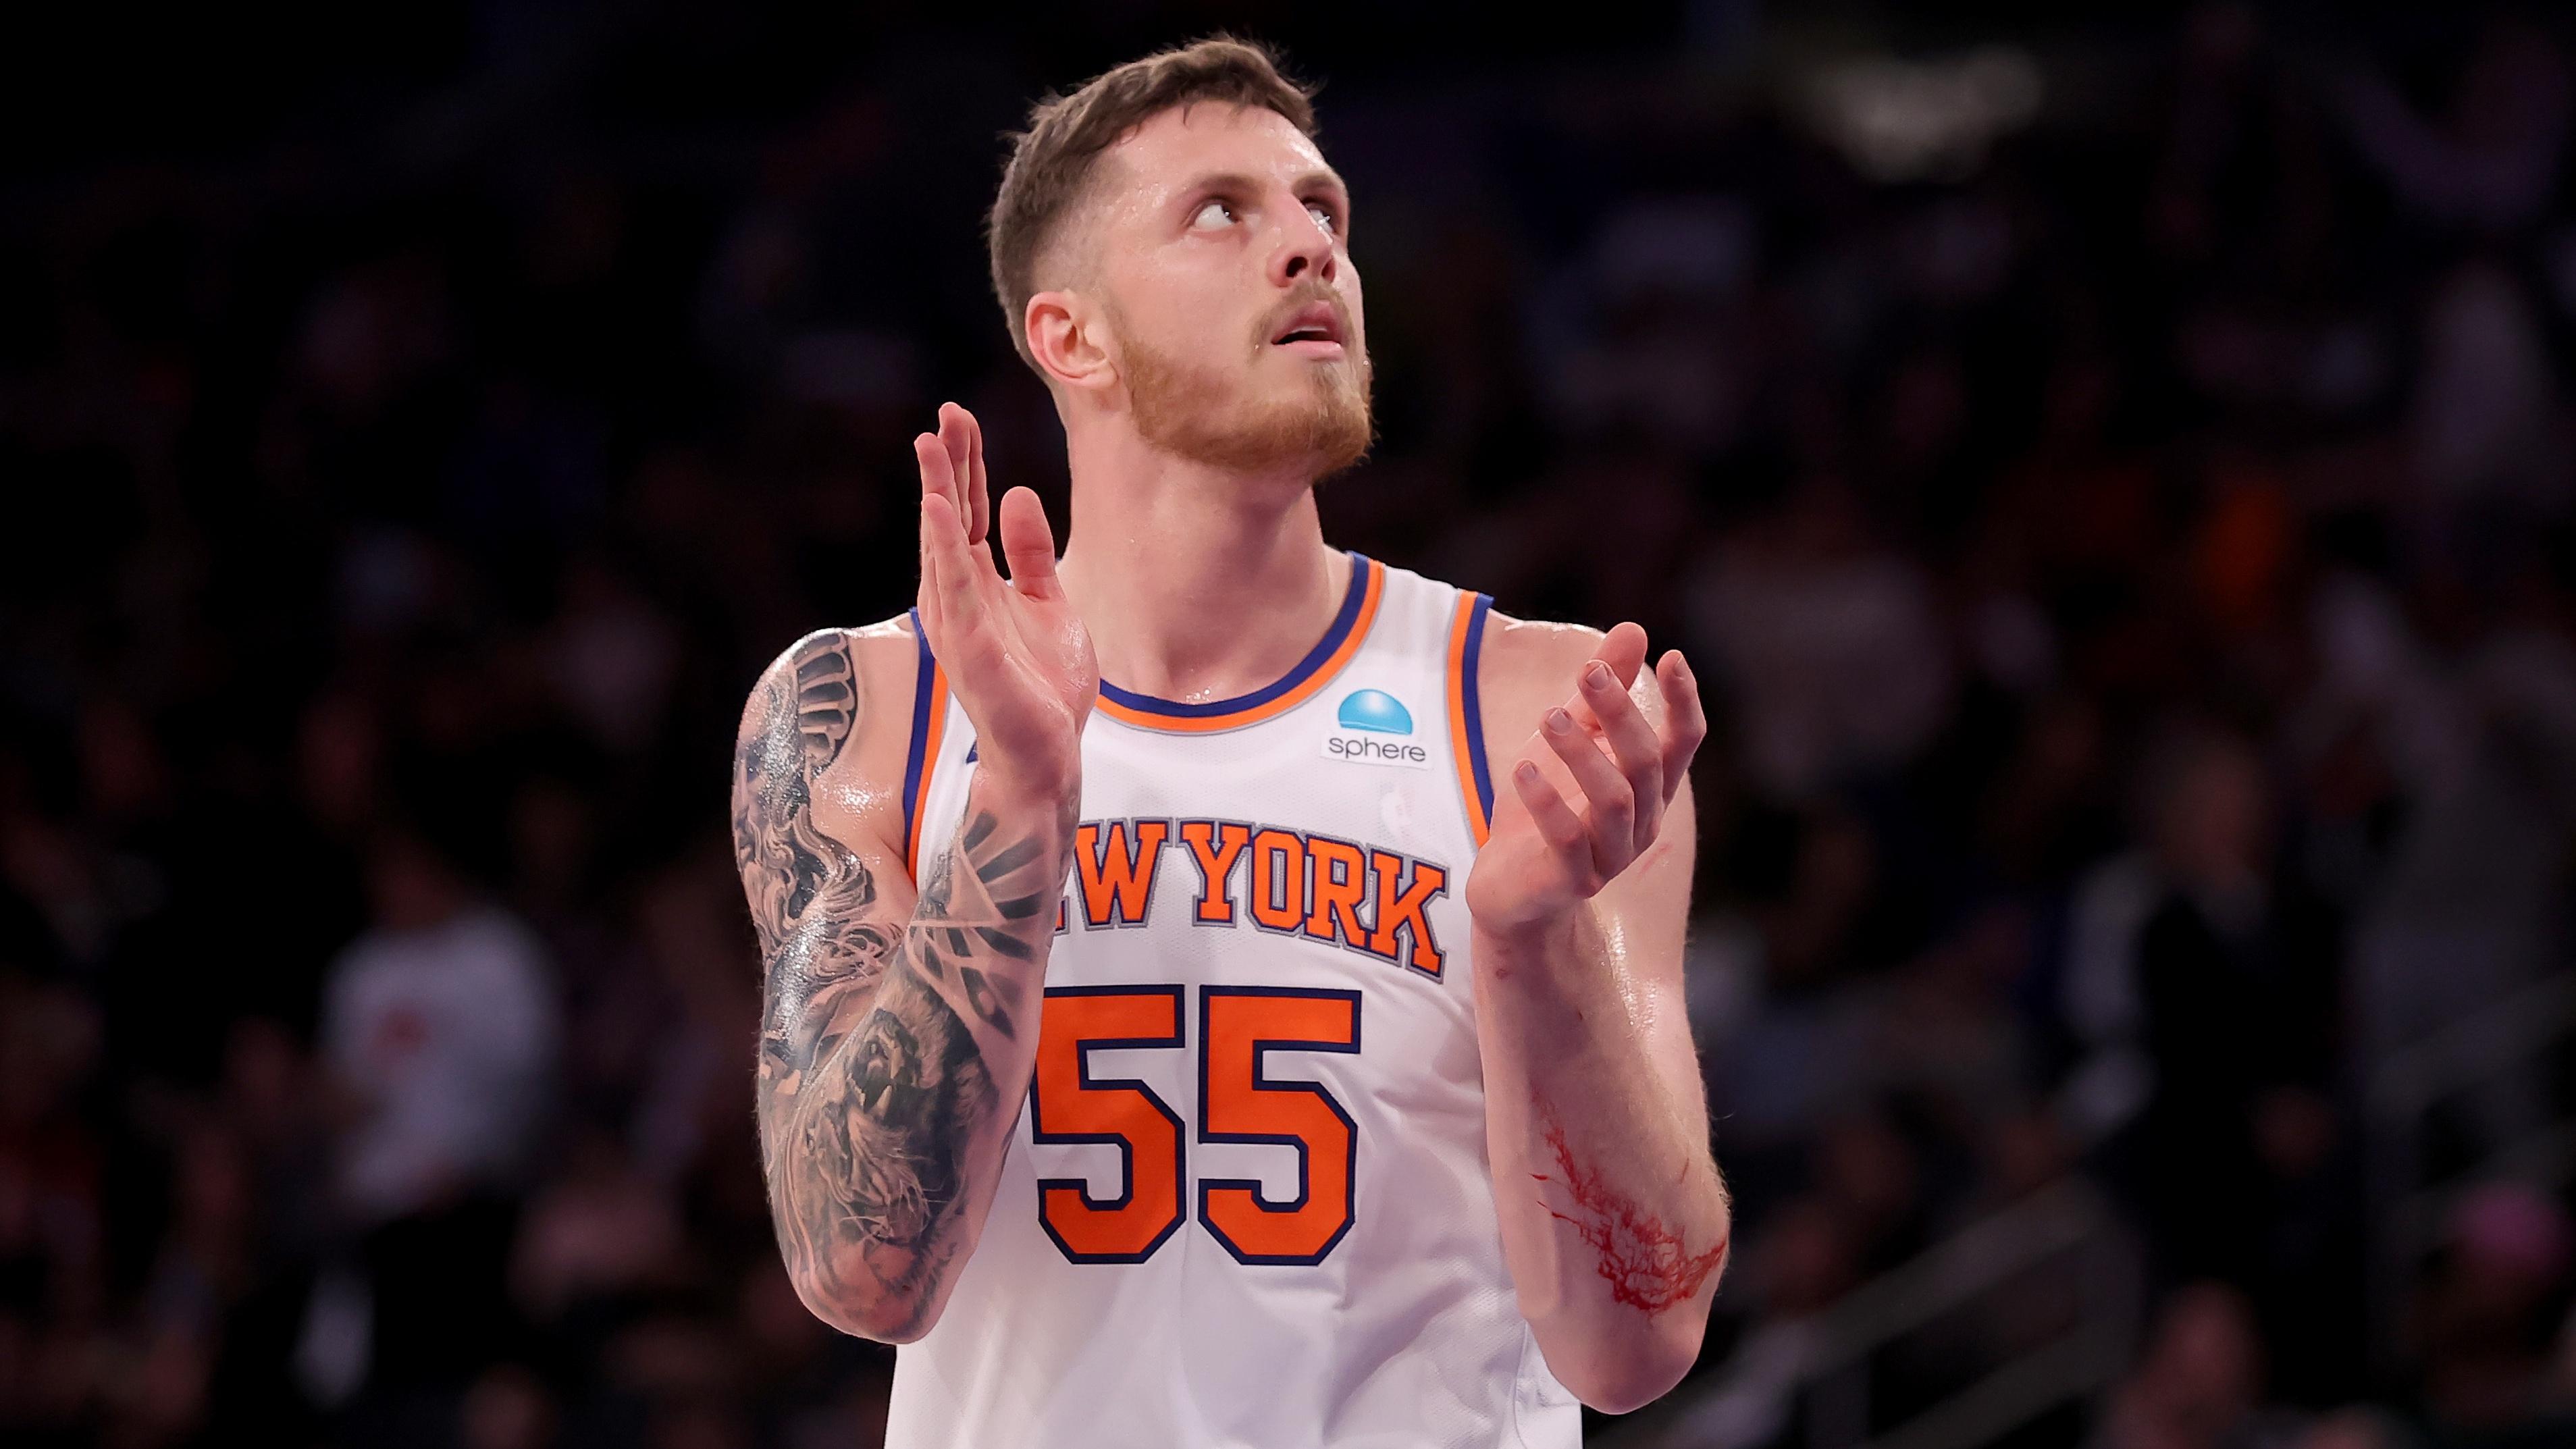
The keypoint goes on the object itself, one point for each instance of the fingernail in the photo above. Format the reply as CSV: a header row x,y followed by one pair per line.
x,y
1597,675
1558,721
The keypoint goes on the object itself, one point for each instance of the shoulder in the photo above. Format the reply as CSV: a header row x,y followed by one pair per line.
x,y
1525,667
856,673
840,702
1519,651
1528,666
866,650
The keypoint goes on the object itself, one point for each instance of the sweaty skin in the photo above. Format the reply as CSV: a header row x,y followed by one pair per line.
x,y
899,1029
882,1025
1645,1261
1195,433
1614,1218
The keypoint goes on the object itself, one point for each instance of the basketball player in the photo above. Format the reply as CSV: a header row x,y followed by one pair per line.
x,y
1221,990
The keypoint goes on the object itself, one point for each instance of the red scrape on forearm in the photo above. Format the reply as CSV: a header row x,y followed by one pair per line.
x,y
1645,1262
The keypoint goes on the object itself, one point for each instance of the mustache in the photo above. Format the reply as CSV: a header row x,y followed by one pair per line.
x,y
1307,294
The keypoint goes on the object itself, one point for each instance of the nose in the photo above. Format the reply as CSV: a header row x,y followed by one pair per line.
x,y
1303,249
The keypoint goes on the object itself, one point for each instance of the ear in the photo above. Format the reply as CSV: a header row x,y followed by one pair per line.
x,y
1067,336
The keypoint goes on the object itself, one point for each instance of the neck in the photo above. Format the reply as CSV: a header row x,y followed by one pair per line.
x,y
1196,584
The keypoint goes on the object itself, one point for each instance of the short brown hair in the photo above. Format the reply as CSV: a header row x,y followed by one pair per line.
x,y
1052,162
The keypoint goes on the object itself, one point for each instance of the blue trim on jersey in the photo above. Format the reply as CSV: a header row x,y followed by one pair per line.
x,y
1475,711
1314,660
913,763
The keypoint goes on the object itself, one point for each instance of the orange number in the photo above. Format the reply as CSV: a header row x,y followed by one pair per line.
x,y
1237,1103
1066,1105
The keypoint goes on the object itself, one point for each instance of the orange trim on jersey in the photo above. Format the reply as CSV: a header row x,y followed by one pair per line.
x,y
1332,652
936,723
1466,742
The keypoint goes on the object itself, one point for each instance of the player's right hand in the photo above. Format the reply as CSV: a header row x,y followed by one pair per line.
x,y
1017,657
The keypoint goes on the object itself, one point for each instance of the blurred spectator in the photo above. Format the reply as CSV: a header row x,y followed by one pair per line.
x,y
2238,1143
508,1408
2484,1319
2492,161
2356,1429
441,1024
1828,644
600,1231
2199,1383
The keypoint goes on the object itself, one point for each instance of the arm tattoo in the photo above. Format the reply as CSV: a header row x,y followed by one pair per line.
x,y
877,1091
809,893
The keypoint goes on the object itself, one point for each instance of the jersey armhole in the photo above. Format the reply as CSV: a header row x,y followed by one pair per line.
x,y
929,718
1466,713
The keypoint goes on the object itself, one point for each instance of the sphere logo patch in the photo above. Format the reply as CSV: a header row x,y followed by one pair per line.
x,y
1377,711
1370,729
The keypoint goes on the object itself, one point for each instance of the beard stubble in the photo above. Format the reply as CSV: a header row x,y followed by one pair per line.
x,y
1184,411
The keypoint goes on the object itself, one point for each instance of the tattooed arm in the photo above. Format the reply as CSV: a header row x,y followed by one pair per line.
x,y
899,1032
1613,1217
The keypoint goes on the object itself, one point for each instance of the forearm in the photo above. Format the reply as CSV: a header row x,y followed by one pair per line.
x,y
896,1044
1609,1199
885,1124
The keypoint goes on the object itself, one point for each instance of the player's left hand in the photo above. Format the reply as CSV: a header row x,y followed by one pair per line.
x,y
1548,854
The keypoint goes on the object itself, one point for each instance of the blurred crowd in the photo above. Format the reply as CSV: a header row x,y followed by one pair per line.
x,y
2131,547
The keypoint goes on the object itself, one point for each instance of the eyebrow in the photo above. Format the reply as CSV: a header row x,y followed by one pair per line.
x,y
1245,181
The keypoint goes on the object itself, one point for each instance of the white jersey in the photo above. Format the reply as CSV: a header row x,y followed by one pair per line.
x,y
1247,1201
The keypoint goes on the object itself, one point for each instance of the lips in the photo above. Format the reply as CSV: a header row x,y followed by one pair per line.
x,y
1316,322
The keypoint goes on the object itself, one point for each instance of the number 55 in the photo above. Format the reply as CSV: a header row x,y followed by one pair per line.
x,y
1238,1102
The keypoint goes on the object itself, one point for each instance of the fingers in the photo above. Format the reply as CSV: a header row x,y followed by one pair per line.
x,y
936,482
1029,544
963,440
938,471
1632,743
942,477
928,596
954,613
1610,825
1685,720
1625,765
975,476
1624,650
1557,823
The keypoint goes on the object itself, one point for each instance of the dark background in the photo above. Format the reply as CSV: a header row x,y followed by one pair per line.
x,y
2114,472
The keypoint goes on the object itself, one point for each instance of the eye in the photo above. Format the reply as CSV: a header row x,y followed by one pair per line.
x,y
1324,217
1214,214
